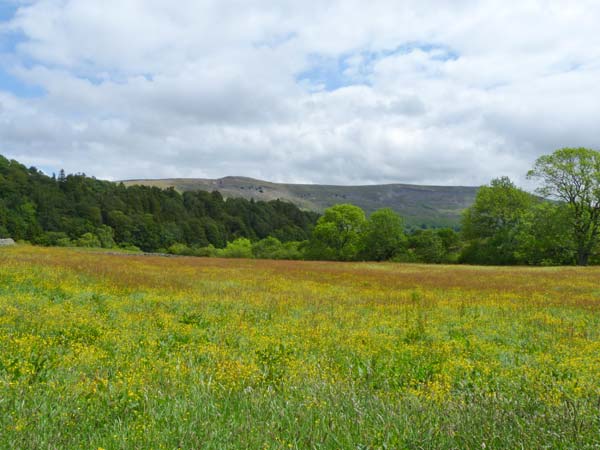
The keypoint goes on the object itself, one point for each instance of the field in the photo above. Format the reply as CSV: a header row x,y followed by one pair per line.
x,y
123,351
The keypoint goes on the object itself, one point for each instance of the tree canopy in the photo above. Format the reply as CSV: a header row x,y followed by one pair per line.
x,y
383,236
337,234
492,223
572,175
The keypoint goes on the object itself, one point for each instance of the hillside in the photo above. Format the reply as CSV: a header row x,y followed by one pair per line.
x,y
419,205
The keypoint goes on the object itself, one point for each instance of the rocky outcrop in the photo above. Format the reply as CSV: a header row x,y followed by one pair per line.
x,y
6,242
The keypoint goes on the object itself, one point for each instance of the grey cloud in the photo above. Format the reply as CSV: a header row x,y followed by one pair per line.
x,y
210,88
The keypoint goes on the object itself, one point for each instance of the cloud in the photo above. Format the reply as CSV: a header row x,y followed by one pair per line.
x,y
327,92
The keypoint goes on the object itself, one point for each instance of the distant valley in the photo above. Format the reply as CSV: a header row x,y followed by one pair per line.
x,y
432,206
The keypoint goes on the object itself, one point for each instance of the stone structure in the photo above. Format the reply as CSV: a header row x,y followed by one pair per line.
x,y
6,242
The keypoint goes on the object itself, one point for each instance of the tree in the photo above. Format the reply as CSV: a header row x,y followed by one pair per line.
x,y
426,246
337,234
492,223
545,239
572,175
383,235
267,248
106,236
450,240
88,240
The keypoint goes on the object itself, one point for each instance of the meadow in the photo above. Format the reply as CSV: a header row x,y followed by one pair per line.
x,y
105,351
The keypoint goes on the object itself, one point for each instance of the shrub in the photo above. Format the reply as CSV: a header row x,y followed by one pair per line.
x,y
52,238
209,251
129,247
268,248
64,242
240,248
179,249
88,240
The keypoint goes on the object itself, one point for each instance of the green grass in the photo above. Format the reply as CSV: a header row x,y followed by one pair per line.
x,y
127,352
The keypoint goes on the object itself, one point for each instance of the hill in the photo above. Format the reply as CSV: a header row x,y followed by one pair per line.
x,y
435,206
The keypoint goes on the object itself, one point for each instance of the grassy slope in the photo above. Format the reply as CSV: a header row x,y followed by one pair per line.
x,y
431,205
117,352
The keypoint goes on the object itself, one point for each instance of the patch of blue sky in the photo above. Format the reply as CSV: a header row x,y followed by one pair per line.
x,y
7,10
48,170
354,68
9,81
9,41
17,87
327,73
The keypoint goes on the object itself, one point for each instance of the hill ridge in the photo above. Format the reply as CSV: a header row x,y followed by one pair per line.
x,y
242,177
420,205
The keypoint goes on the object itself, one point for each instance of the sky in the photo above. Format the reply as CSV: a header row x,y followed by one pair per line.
x,y
329,91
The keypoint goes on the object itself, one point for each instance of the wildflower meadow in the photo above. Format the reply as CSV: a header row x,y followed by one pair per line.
x,y
118,351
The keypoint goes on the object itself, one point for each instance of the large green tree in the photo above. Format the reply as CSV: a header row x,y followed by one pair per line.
x,y
572,175
383,235
337,234
545,238
492,223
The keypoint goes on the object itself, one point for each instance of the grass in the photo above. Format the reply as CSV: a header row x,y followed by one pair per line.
x,y
124,351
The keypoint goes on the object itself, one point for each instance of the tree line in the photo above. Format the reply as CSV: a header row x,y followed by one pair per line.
x,y
505,225
560,225
78,210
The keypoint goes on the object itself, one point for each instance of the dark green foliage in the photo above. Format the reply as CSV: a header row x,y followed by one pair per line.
x,y
451,242
383,236
572,176
88,240
492,225
426,246
273,248
53,239
506,225
546,238
79,210
267,248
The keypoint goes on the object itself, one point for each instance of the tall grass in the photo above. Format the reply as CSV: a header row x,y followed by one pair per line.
x,y
118,352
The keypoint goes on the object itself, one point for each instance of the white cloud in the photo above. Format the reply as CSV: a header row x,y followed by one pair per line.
x,y
419,91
